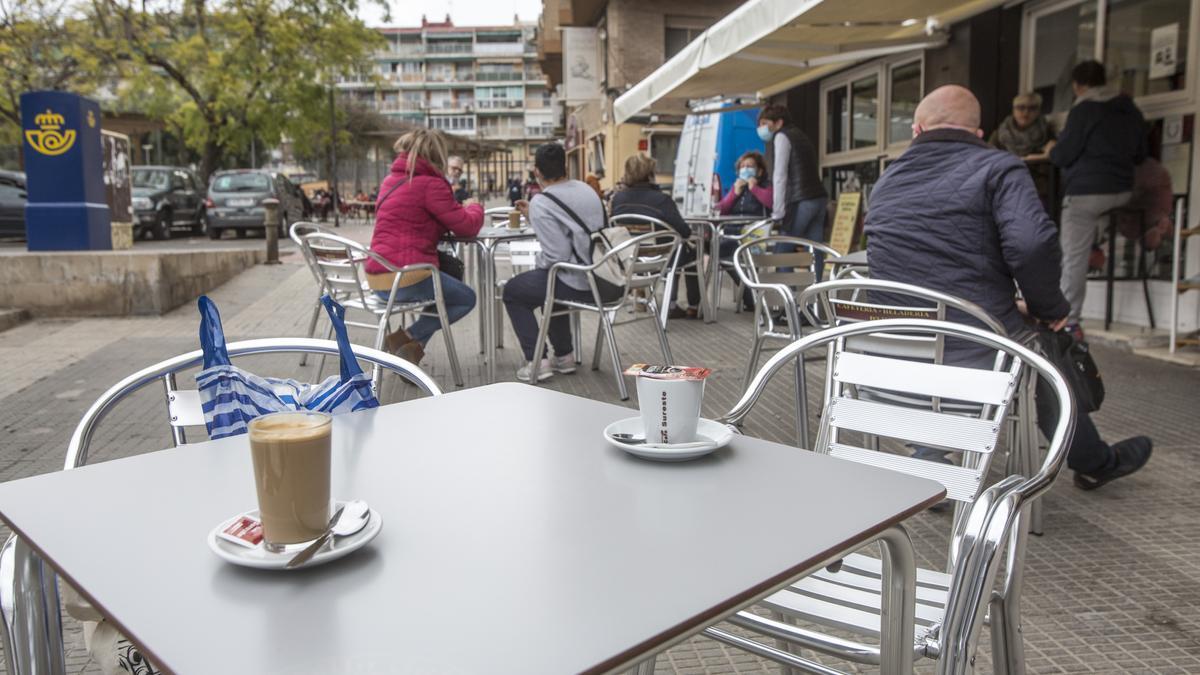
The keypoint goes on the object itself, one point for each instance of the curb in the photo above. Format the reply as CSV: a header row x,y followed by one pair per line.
x,y
11,318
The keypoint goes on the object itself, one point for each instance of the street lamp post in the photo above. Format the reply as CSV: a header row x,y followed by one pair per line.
x,y
333,169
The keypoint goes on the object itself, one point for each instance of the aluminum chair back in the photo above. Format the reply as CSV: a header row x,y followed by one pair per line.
x,y
638,224
296,233
950,607
340,265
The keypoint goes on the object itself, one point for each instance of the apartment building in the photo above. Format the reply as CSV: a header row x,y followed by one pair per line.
x,y
477,82
597,50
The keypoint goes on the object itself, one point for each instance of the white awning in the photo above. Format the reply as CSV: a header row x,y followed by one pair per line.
x,y
768,46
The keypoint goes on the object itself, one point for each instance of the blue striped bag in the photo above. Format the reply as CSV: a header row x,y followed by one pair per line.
x,y
231,397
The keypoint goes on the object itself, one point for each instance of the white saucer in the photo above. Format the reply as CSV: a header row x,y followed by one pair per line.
x,y
710,436
260,558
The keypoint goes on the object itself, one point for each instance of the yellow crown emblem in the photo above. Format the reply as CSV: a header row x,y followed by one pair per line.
x,y
49,138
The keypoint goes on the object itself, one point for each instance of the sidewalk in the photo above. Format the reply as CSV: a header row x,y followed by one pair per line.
x,y
1113,586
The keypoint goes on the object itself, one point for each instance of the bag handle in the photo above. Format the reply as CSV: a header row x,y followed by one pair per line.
x,y
212,335
337,314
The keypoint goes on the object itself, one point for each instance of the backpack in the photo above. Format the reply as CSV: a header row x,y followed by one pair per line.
x,y
605,239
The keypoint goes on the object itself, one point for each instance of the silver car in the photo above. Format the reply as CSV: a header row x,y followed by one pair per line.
x,y
235,201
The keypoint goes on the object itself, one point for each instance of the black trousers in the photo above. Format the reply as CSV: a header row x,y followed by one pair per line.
x,y
527,291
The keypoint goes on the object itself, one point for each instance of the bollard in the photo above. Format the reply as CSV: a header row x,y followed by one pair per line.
x,y
271,228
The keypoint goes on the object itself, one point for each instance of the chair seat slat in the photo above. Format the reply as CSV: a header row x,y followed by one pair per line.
x,y
865,599
927,379
962,484
925,427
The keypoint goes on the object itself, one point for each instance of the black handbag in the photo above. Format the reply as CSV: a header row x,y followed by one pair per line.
x,y
1074,360
451,264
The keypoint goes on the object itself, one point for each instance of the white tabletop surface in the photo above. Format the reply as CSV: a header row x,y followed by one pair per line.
x,y
515,539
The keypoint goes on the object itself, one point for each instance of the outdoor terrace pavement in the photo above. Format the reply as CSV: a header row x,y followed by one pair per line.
x,y
1113,586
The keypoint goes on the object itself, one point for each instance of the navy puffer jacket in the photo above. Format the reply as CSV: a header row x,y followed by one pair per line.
x,y
954,215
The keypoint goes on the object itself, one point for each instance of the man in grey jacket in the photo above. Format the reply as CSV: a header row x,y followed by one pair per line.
x,y
955,215
563,216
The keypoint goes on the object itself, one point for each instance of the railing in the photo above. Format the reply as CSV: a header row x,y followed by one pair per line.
x,y
399,106
494,76
448,48
451,104
461,76
499,104
502,132
544,131
499,48
404,77
406,50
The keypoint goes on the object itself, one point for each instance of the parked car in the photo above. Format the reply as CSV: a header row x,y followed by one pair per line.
x,y
235,201
12,204
166,198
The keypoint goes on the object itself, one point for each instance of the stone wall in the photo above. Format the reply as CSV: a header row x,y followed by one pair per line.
x,y
115,283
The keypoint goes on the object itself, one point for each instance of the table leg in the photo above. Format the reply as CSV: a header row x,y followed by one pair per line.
x,y
488,254
899,602
714,269
31,612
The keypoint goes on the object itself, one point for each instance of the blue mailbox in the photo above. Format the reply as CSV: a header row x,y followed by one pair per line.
x,y
67,209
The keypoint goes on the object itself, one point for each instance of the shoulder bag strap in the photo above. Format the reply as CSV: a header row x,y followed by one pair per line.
x,y
574,216
389,194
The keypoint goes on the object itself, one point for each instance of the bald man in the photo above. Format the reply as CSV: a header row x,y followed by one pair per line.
x,y
955,215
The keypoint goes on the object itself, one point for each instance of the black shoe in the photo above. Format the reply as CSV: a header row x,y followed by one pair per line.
x,y
677,312
1129,455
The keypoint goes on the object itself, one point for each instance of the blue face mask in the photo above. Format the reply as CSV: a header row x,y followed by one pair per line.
x,y
747,172
764,132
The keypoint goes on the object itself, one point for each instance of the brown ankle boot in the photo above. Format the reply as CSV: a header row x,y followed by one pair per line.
x,y
394,341
411,351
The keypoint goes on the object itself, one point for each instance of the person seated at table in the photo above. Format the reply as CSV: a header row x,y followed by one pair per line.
x,y
454,176
1025,133
416,210
985,230
752,195
564,215
643,197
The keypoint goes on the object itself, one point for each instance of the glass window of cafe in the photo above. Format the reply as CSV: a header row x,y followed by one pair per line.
x,y
869,110
1144,44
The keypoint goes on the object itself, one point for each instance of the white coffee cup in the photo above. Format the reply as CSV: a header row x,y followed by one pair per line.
x,y
670,408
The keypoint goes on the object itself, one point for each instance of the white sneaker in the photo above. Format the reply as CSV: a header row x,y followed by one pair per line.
x,y
563,365
545,371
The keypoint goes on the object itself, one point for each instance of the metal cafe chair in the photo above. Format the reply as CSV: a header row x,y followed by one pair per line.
x,y
29,600
843,301
752,232
645,259
296,233
950,605
757,266
638,224
341,264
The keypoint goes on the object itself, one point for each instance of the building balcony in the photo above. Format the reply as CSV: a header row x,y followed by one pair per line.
x,y
502,132
449,49
506,76
499,104
400,107
499,48
543,131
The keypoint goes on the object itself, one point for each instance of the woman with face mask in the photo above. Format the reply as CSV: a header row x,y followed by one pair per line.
x,y
752,193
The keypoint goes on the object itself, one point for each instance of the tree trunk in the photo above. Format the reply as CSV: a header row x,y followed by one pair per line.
x,y
208,160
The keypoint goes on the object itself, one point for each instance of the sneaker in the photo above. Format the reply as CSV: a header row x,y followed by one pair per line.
x,y
563,365
545,371
1129,455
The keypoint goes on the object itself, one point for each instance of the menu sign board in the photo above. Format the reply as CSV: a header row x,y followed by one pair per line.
x,y
845,222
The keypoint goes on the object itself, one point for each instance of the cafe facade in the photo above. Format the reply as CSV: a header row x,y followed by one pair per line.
x,y
855,94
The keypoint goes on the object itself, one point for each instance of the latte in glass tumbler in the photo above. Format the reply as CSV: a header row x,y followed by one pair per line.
x,y
291,454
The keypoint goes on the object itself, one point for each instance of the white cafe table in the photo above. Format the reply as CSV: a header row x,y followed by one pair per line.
x,y
514,540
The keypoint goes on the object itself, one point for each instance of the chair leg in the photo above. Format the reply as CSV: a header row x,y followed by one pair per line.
x,y
539,347
662,342
606,324
1008,643
755,351
577,336
1030,447
448,337
599,351
312,329
31,612
498,313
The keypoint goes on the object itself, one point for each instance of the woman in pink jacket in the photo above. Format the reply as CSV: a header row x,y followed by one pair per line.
x,y
416,209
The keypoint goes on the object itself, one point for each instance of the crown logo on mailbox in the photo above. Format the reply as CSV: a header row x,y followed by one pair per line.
x,y
49,138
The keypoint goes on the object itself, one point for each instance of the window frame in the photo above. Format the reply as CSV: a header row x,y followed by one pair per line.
x,y
1150,103
882,69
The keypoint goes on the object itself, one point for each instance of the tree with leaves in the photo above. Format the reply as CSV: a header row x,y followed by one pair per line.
x,y
242,69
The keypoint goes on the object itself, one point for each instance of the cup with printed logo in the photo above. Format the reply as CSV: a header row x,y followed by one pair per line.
x,y
669,399
291,457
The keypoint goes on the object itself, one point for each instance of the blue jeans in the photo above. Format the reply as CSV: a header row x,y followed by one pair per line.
x,y
804,219
458,297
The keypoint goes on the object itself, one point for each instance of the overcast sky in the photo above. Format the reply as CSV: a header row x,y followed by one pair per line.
x,y
462,12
